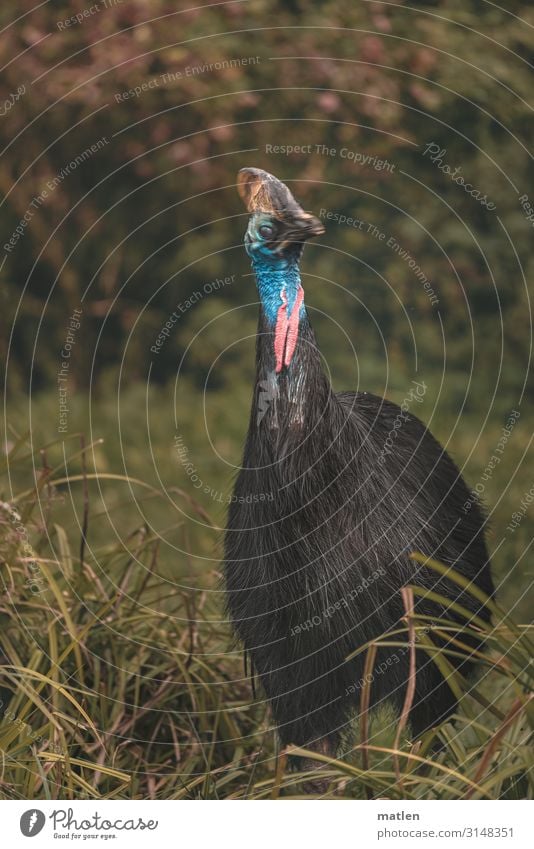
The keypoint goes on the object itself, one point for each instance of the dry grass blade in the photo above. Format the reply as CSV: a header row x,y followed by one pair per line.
x,y
515,712
407,598
85,523
365,700
281,762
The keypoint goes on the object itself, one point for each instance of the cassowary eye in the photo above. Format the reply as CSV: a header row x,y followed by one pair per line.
x,y
266,231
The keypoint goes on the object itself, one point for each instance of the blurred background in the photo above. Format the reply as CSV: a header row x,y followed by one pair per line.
x,y
128,310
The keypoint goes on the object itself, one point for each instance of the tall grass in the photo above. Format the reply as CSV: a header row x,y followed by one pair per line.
x,y
118,683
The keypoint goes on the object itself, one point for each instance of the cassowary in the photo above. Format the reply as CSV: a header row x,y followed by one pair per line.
x,y
323,522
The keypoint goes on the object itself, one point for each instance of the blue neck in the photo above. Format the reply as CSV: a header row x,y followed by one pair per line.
x,y
272,278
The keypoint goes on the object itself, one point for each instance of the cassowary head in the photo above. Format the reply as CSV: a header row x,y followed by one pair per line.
x,y
278,225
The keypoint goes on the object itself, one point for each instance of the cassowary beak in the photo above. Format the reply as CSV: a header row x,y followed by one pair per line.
x,y
262,192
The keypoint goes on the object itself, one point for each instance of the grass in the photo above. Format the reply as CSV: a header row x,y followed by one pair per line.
x,y
120,683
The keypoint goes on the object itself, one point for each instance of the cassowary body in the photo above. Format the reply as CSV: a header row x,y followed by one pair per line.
x,y
320,533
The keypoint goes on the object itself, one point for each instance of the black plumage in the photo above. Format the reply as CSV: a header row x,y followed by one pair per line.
x,y
324,518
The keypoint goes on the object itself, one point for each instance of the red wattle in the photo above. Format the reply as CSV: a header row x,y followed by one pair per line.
x,y
293,327
287,330
280,333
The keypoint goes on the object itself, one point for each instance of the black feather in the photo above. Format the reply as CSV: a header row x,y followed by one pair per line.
x,y
320,531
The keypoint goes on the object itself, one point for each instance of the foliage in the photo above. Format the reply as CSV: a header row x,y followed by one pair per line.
x,y
153,215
